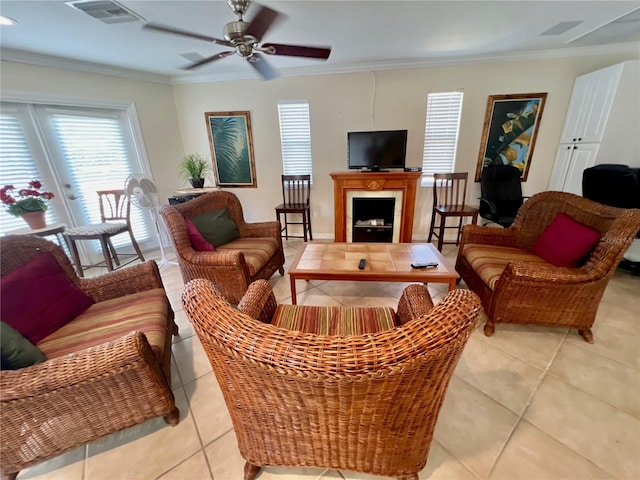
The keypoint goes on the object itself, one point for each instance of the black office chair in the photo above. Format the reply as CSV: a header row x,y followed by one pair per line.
x,y
500,194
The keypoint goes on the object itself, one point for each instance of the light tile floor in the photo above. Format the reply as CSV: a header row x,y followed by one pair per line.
x,y
526,403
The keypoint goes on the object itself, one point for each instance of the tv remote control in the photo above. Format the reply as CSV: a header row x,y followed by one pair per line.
x,y
424,265
362,263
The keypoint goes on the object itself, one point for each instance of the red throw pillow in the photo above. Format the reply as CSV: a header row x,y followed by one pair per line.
x,y
565,242
198,242
38,298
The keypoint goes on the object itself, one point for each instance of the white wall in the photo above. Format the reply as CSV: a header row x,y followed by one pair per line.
x,y
340,103
154,104
173,123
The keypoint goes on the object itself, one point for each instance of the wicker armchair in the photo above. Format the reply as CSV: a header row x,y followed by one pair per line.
x,y
536,292
71,399
226,267
366,403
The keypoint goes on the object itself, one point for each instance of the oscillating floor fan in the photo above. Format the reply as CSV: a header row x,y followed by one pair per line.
x,y
142,193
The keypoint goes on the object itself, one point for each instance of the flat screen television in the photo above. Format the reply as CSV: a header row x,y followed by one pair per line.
x,y
376,150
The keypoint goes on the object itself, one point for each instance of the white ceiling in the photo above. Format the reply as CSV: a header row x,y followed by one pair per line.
x,y
364,35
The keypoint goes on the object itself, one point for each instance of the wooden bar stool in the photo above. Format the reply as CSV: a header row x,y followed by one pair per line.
x,y
449,197
296,190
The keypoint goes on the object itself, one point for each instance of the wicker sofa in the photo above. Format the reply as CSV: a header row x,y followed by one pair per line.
x,y
366,402
518,286
256,254
106,370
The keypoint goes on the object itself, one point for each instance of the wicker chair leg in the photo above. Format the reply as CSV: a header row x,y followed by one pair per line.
x,y
586,334
281,271
172,418
250,471
9,476
489,328
409,477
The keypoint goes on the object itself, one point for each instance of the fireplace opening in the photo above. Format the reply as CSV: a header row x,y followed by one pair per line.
x,y
373,219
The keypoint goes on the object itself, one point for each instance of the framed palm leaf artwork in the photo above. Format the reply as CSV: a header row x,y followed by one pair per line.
x,y
231,146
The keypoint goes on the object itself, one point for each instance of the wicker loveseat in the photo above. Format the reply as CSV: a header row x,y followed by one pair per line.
x,y
256,254
107,369
365,402
518,286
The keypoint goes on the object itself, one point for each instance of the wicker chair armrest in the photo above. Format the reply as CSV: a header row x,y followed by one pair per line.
x,y
133,279
83,370
414,302
259,302
219,258
519,272
506,237
259,229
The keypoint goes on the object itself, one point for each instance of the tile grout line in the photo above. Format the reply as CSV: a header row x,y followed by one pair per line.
x,y
527,404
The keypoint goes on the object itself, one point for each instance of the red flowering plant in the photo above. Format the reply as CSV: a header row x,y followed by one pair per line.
x,y
28,199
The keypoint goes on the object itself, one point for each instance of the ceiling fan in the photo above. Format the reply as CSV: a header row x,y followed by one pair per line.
x,y
245,38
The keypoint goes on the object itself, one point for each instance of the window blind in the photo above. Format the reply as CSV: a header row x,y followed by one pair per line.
x,y
295,137
17,167
441,134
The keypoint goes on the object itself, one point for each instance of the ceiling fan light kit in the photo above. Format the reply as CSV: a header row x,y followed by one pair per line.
x,y
245,38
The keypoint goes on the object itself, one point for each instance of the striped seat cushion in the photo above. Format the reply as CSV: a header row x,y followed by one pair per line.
x,y
146,312
489,261
341,321
257,251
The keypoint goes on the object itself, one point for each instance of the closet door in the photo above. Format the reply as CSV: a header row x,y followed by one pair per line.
x,y
570,163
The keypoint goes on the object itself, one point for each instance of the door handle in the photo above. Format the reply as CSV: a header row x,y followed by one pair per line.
x,y
73,197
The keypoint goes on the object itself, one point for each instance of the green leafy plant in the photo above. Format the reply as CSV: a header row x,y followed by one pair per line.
x,y
29,199
194,166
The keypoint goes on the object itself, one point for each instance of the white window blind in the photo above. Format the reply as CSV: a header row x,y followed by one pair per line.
x,y
295,136
441,134
17,166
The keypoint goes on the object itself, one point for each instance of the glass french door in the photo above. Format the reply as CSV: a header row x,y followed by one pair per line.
x,y
75,151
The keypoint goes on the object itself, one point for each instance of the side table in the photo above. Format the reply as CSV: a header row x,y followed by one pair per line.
x,y
54,229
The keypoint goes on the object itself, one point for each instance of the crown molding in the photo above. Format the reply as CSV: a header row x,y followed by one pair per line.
x,y
41,60
620,48
21,56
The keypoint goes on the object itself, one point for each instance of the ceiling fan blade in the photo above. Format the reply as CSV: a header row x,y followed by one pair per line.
x,y
263,21
176,31
210,59
297,50
265,70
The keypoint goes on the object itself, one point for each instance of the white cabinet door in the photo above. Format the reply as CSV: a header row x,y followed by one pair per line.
x,y
571,161
590,105
561,166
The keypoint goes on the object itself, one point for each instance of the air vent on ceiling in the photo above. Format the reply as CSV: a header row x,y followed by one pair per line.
x,y
106,11
560,28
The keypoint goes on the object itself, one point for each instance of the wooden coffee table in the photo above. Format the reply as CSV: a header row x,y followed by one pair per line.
x,y
386,262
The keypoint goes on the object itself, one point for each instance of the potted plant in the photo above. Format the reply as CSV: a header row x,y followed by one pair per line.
x,y
194,168
31,203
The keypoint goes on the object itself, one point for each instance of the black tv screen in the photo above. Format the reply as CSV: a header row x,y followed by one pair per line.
x,y
376,150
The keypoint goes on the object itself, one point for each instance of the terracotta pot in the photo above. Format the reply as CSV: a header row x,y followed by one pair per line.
x,y
197,182
35,220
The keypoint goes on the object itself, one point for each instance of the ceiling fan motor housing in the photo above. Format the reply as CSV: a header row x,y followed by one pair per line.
x,y
234,33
